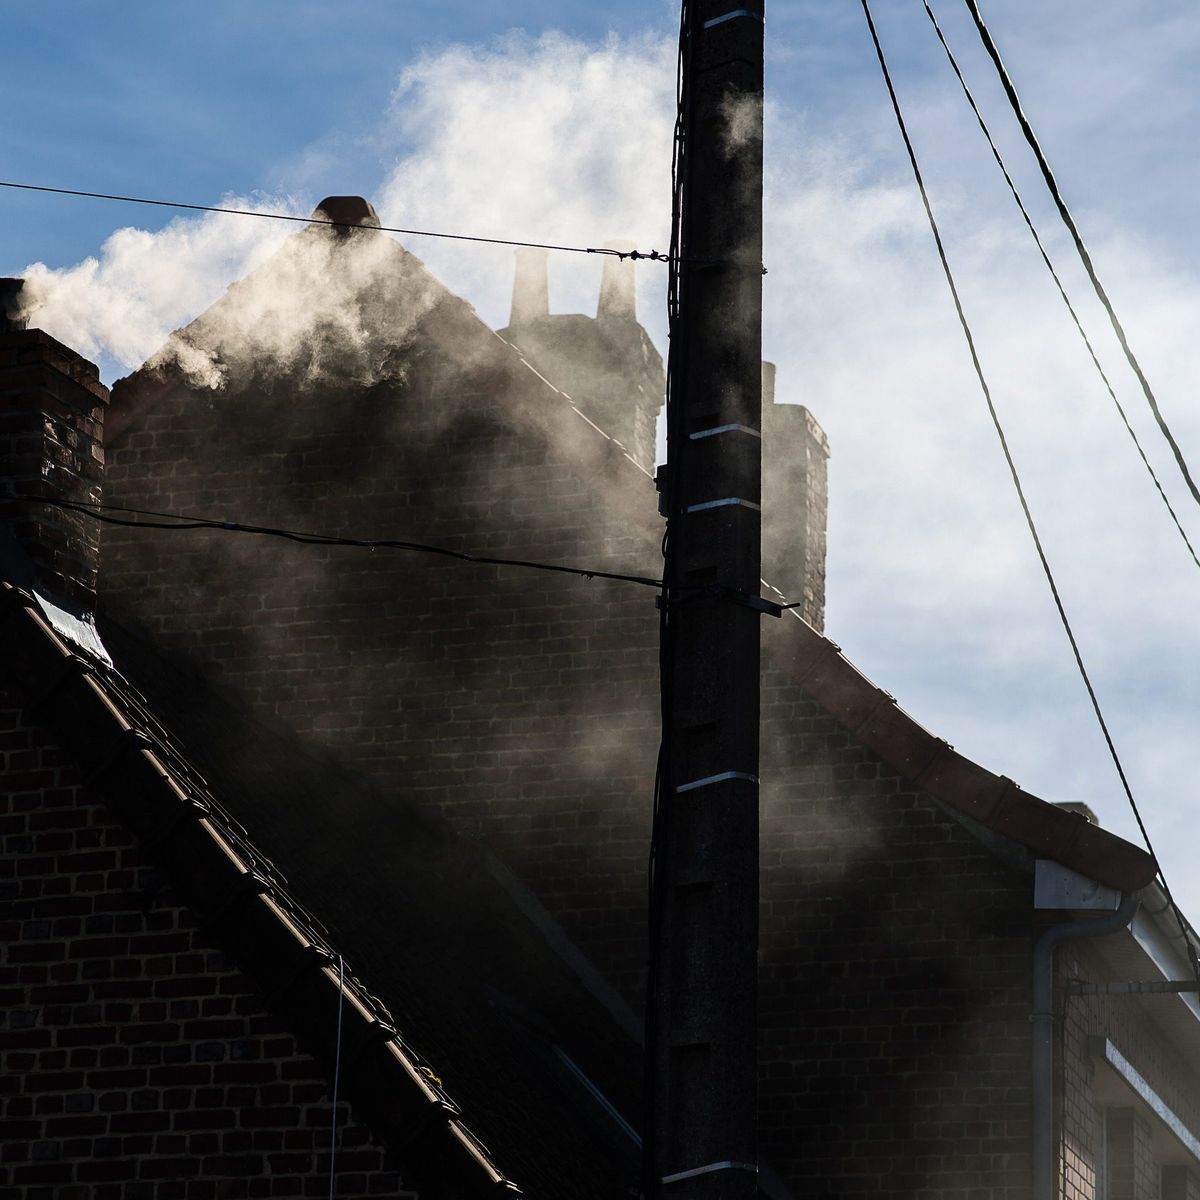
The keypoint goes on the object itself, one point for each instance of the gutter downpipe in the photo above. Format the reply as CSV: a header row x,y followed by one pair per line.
x,y
1042,1020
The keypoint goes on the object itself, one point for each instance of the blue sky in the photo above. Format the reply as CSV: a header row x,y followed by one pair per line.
x,y
552,119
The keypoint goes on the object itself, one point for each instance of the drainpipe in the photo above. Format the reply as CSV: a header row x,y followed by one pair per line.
x,y
1042,1019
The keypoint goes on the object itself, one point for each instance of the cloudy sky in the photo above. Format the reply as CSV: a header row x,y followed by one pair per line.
x,y
551,121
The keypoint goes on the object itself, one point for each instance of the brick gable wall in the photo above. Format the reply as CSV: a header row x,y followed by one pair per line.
x,y
525,709
135,1063
522,706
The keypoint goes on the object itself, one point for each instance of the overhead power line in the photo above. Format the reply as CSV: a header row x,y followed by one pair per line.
x,y
1012,187
635,255
182,522
1014,100
1012,469
179,522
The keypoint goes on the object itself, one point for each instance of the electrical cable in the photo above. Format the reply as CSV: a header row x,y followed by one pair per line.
x,y
175,522
1014,101
178,521
1012,468
635,255
337,1069
1016,195
676,334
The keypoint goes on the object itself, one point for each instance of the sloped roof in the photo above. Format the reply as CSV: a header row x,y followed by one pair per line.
x,y
471,982
933,765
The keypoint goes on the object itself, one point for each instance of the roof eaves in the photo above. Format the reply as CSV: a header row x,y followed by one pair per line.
x,y
234,893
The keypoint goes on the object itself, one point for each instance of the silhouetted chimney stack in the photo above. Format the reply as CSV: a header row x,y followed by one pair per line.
x,y
606,364
51,427
795,501
11,316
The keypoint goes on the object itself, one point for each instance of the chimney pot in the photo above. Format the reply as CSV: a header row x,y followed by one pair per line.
x,y
618,285
531,287
347,210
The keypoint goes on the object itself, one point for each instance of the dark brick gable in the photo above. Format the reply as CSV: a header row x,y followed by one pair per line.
x,y
137,1061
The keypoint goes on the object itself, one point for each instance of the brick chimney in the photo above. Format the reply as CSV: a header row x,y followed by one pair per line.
x,y
795,501
51,426
607,364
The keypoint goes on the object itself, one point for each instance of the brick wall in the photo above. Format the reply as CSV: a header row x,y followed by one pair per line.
x,y
1093,1130
894,1027
1180,1182
134,1061
524,707
51,412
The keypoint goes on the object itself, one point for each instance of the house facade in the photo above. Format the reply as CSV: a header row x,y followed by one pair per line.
x,y
909,896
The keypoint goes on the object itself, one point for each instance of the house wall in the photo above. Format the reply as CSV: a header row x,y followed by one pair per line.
x,y
894,993
524,707
1101,1123
135,1063
521,705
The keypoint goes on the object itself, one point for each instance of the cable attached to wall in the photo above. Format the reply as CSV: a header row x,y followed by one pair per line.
x,y
179,522
1016,195
1069,221
1012,470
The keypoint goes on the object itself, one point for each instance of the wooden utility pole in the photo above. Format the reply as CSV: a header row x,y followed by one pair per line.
x,y
702,1029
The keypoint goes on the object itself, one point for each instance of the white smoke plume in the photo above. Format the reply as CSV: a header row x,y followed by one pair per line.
x,y
328,304
934,588
120,306
539,139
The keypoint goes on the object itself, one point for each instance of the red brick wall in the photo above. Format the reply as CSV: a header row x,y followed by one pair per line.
x,y
134,1062
1129,1023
